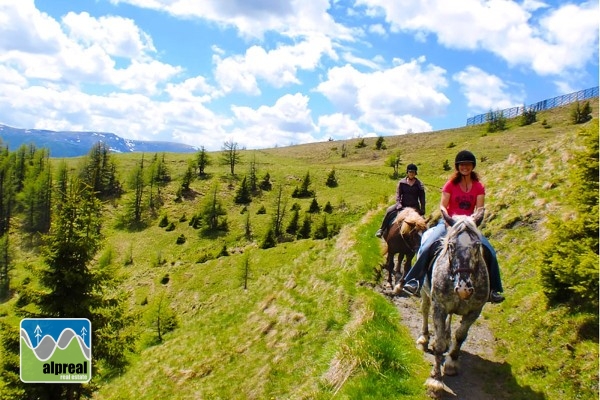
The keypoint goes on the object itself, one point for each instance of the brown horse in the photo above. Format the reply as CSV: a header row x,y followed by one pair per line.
x,y
403,237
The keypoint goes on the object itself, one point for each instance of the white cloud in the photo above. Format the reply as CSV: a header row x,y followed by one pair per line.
x,y
339,126
278,67
252,18
117,36
287,122
485,92
565,38
389,100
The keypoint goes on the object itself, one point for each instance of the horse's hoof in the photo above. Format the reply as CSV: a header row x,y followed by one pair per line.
x,y
422,343
450,367
397,289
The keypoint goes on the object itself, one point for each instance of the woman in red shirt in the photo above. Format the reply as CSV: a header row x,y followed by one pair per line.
x,y
461,195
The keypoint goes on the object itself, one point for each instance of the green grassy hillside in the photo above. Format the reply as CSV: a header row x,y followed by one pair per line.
x,y
301,320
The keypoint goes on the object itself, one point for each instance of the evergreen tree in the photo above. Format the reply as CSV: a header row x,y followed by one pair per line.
x,y
243,193
66,274
294,224
304,232
62,179
303,191
136,183
496,121
35,199
331,179
280,210
7,190
581,114
202,161
252,178
321,231
99,172
213,211
314,206
528,117
5,267
188,177
265,184
158,177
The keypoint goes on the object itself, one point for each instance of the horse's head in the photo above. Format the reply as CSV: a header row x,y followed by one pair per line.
x,y
465,253
411,226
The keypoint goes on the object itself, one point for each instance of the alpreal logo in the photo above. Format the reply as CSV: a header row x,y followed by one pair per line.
x,y
56,350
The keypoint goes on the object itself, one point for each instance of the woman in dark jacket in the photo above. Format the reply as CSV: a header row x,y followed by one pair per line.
x,y
409,193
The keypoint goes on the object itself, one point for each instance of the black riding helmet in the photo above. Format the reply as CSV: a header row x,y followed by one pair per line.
x,y
465,156
411,167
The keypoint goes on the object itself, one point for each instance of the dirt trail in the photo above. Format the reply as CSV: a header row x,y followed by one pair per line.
x,y
478,377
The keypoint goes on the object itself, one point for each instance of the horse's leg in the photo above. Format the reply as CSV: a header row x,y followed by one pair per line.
x,y
399,273
407,266
423,339
451,366
390,267
435,385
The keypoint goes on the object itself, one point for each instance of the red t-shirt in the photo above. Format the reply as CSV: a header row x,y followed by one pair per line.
x,y
462,203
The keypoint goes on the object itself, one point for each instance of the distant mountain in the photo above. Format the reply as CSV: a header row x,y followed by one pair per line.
x,y
73,144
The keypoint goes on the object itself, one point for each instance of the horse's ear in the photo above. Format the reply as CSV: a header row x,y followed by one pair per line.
x,y
478,216
448,218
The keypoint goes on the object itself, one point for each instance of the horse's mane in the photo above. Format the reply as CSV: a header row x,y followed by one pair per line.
x,y
412,217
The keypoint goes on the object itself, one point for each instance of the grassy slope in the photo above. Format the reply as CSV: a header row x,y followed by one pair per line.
x,y
306,327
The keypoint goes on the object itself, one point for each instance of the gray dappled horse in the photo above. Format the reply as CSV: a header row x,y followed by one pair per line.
x,y
459,285
403,237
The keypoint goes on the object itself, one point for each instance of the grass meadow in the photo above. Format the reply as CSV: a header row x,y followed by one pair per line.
x,y
301,320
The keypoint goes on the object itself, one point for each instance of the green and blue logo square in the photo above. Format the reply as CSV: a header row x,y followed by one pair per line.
x,y
56,350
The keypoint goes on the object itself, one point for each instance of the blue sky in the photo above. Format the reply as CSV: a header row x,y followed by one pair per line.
x,y
266,73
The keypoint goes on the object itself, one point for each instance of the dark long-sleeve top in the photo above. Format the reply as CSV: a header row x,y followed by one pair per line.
x,y
410,196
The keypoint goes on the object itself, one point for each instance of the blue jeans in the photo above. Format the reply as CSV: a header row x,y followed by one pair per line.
x,y
431,243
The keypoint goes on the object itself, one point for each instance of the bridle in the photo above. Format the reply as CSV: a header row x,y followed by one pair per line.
x,y
408,246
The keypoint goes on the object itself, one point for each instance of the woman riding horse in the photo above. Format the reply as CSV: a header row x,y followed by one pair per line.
x,y
462,194
410,192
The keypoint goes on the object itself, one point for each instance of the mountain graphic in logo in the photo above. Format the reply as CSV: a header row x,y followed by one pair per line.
x,y
56,350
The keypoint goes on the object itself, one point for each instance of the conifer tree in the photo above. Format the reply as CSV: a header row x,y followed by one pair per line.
x,y
136,184
99,172
69,288
243,193
36,195
265,184
213,211
202,161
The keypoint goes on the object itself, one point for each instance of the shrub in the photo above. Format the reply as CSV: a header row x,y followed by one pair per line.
x,y
446,165
314,206
331,179
321,230
164,221
361,143
496,121
581,114
570,254
269,240
180,239
528,117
